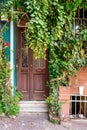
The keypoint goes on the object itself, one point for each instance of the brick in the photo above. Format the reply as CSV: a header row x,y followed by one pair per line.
x,y
82,83
65,108
64,90
74,90
64,97
82,77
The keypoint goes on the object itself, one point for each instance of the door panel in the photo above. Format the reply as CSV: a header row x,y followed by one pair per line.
x,y
39,86
32,73
24,84
23,71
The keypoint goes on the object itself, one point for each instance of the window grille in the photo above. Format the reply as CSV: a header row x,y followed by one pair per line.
x,y
78,106
80,21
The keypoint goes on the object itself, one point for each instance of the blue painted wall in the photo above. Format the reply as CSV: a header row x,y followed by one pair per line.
x,y
6,36
7,39
15,57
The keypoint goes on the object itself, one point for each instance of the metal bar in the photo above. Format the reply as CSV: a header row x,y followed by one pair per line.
x,y
82,107
78,101
70,106
83,13
85,106
78,13
75,105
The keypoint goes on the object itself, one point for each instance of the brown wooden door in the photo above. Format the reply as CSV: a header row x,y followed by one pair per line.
x,y
32,73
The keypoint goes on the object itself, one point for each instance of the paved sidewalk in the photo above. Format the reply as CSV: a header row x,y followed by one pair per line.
x,y
38,122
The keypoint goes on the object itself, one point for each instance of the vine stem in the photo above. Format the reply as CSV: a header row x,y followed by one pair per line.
x,y
1,31
56,79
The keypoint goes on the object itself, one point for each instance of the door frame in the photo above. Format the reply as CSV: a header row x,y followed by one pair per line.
x,y
30,89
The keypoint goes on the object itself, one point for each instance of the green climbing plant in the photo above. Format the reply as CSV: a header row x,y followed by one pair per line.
x,y
8,102
50,28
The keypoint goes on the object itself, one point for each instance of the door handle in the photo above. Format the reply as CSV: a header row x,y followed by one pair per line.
x,y
31,65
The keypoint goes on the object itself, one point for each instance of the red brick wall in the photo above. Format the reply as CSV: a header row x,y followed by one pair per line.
x,y
73,89
64,98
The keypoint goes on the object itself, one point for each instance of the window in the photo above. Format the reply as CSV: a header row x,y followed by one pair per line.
x,y
78,106
80,23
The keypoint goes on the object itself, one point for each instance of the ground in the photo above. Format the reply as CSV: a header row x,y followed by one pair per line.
x,y
38,122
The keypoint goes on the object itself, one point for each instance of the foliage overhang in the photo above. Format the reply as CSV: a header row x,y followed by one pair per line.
x,y
50,28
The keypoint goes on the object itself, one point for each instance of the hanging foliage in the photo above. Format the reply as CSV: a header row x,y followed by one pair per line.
x,y
50,28
48,20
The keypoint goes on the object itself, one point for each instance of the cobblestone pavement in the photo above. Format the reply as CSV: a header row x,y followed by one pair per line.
x,y
38,122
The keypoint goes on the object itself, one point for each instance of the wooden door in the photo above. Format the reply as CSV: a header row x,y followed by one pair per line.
x,y
32,73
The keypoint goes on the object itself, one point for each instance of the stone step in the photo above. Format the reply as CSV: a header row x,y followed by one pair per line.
x,y
33,106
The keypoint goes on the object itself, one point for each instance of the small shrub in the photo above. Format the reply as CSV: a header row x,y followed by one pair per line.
x,y
54,104
8,102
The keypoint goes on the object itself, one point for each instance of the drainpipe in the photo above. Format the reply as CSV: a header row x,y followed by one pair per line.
x,y
11,53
